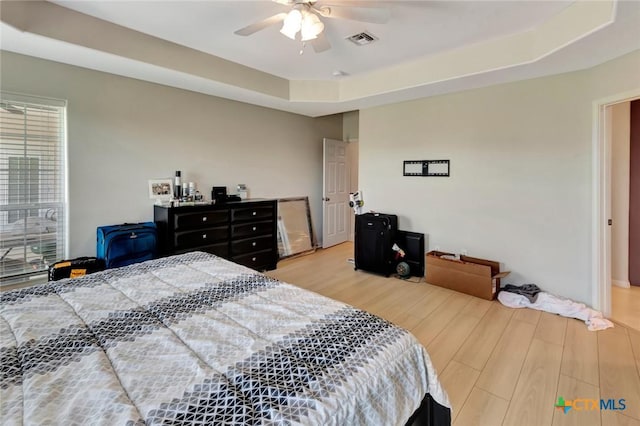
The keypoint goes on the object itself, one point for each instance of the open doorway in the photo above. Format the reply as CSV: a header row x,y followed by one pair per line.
x,y
614,238
625,212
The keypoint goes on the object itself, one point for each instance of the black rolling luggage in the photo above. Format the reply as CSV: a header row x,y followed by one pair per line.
x,y
375,234
75,268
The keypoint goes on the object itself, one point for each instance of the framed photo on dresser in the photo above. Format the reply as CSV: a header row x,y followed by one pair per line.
x,y
160,189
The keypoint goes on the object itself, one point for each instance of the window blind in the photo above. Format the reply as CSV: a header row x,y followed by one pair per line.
x,y
32,185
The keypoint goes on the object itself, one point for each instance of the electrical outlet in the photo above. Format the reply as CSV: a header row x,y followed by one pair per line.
x,y
464,252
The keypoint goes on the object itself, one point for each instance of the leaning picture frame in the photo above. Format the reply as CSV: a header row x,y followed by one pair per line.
x,y
160,190
295,232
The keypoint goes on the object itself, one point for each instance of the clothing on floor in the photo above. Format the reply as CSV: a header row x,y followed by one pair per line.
x,y
529,290
557,305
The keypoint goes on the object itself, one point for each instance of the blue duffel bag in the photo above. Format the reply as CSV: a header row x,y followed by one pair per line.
x,y
121,245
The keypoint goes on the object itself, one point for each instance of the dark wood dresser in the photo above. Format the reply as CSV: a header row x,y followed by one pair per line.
x,y
242,231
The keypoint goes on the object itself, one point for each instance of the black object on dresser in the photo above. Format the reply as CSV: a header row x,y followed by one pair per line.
x,y
242,231
375,234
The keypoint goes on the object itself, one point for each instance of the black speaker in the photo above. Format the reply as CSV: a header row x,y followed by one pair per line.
x,y
219,194
413,245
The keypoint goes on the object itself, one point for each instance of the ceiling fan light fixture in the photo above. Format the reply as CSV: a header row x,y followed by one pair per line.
x,y
311,27
292,24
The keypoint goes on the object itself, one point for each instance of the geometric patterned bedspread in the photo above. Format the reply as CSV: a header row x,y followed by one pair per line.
x,y
195,339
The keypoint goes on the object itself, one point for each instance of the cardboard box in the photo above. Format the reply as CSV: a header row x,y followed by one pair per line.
x,y
470,275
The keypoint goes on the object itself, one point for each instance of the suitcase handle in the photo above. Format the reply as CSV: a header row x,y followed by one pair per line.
x,y
76,258
129,226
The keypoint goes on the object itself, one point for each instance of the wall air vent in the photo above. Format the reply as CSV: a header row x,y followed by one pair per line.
x,y
362,38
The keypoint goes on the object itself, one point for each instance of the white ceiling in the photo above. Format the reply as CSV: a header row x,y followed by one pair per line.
x,y
415,29
426,48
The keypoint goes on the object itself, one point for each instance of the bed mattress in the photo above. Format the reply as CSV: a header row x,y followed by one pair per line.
x,y
196,339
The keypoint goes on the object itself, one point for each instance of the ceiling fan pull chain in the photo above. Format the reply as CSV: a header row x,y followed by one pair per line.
x,y
304,44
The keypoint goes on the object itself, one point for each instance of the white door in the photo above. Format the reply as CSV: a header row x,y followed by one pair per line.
x,y
335,193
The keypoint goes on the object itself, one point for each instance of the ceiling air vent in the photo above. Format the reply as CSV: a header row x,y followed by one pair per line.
x,y
362,38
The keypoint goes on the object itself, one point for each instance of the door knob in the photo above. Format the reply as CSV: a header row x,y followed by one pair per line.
x,y
326,199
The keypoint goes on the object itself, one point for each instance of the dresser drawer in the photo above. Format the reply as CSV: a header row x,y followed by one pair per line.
x,y
259,261
219,249
251,244
243,231
252,213
203,219
254,229
201,237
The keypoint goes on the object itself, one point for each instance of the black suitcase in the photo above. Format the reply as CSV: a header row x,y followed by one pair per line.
x,y
375,234
74,268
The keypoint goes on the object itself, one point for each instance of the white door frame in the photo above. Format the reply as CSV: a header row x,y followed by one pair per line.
x,y
353,148
601,179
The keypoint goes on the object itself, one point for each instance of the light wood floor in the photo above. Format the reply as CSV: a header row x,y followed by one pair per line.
x,y
500,366
625,305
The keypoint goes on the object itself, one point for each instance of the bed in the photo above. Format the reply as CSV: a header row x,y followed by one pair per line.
x,y
195,339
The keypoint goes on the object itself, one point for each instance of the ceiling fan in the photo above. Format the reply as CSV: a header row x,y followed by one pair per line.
x,y
304,18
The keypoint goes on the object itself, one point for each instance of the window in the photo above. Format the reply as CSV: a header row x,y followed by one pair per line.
x,y
32,185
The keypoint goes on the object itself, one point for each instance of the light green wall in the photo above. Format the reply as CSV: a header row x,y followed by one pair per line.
x,y
122,132
350,126
520,190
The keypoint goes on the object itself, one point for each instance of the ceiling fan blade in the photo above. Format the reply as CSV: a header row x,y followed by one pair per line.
x,y
260,25
320,43
372,15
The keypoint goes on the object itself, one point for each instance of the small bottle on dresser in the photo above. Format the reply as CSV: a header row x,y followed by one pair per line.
x,y
177,186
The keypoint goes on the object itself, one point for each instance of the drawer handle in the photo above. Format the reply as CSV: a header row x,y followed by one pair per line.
x,y
253,243
255,227
204,218
253,259
204,236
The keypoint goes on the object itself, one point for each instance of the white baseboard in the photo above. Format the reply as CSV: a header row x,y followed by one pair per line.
x,y
619,283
